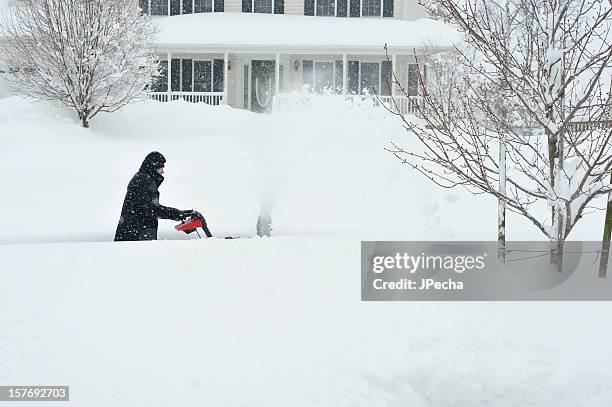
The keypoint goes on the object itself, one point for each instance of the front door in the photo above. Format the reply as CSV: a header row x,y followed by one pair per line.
x,y
262,85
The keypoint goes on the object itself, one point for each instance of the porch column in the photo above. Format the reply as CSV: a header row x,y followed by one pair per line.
x,y
225,78
149,8
168,74
393,65
277,75
344,74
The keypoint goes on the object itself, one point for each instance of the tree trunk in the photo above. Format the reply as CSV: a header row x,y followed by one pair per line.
x,y
605,243
85,122
552,154
501,209
560,210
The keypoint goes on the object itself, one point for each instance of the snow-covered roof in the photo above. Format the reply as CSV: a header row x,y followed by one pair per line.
x,y
247,32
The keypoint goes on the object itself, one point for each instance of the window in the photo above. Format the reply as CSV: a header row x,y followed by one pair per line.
x,y
176,7
413,81
159,7
325,7
323,75
202,76
203,6
263,6
371,8
369,78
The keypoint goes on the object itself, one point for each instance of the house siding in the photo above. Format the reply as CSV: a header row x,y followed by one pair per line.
x,y
234,6
295,7
411,10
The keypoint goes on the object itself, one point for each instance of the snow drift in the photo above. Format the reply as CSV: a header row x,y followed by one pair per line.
x,y
256,322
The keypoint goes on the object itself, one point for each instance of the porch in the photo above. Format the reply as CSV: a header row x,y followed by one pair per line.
x,y
253,81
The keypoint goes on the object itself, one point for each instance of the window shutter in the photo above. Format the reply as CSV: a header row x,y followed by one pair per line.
x,y
218,66
387,8
353,77
279,7
247,6
219,6
161,82
187,66
386,76
309,7
187,6
413,80
144,6
338,76
307,73
355,8
175,7
341,8
245,88
175,72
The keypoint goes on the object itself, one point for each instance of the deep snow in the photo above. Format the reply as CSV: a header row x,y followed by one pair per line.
x,y
235,30
320,164
277,322
258,322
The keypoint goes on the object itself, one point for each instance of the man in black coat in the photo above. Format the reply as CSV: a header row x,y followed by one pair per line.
x,y
141,208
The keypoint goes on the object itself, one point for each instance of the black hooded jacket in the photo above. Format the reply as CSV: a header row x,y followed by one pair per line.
x,y
141,208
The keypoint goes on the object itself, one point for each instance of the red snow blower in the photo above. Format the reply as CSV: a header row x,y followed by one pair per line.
x,y
192,224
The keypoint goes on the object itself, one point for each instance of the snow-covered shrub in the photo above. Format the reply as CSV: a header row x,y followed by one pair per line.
x,y
91,55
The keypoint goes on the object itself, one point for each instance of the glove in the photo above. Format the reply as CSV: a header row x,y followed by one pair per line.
x,y
193,215
190,213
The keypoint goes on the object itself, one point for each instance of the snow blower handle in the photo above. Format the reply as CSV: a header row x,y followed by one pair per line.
x,y
199,216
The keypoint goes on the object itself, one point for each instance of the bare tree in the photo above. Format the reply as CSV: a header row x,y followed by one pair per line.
x,y
534,77
91,55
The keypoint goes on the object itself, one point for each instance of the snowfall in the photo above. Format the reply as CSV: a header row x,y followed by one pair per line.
x,y
259,321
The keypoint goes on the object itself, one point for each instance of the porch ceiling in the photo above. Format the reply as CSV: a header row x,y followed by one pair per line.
x,y
271,34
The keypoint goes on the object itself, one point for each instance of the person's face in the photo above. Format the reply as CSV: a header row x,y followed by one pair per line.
x,y
161,171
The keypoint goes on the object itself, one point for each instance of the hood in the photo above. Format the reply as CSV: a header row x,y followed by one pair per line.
x,y
152,162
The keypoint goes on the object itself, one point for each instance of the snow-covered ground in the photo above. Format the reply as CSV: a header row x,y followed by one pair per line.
x,y
277,322
320,164
258,322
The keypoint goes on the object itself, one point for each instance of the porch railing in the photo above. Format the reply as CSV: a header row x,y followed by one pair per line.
x,y
211,98
403,104
591,125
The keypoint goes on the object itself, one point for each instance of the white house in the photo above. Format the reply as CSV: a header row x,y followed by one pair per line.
x,y
243,52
